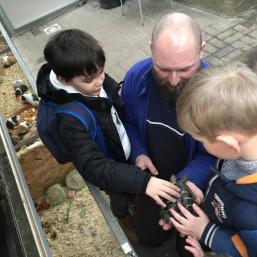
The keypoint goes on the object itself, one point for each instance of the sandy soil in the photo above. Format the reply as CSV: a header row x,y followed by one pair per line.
x,y
77,228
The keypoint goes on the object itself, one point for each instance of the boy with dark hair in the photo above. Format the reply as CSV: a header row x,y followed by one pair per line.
x,y
218,107
74,72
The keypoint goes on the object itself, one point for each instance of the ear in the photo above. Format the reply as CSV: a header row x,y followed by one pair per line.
x,y
62,80
150,44
202,49
230,141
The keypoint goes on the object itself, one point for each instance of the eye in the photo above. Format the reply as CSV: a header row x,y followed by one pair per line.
x,y
185,69
88,79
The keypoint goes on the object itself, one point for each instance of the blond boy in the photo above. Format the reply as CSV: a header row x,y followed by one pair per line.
x,y
219,108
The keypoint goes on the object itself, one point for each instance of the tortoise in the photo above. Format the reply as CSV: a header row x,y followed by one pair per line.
x,y
186,198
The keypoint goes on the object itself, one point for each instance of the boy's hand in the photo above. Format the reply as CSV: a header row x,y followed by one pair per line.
x,y
160,189
194,247
196,191
144,162
189,224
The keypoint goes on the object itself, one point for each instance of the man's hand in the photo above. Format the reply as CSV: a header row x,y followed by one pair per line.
x,y
160,189
196,191
190,225
143,162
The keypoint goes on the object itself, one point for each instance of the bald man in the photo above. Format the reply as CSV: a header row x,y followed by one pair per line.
x,y
149,92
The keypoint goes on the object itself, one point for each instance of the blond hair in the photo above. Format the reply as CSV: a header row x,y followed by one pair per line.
x,y
219,99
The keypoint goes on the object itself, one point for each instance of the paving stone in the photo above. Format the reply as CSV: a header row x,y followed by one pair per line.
x,y
231,56
249,40
226,34
239,28
233,38
206,36
225,51
211,49
243,29
213,61
217,42
241,45
253,34
212,31
206,54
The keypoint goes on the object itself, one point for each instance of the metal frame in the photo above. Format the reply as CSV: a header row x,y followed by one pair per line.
x,y
112,221
140,9
16,187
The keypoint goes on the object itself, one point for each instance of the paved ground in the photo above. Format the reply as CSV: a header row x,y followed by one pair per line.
x,y
125,41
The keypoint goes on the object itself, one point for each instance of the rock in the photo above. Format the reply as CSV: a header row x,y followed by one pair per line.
x,y
55,194
74,180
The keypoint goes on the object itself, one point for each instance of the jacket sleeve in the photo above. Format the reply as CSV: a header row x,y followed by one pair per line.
x,y
91,163
197,169
129,97
234,243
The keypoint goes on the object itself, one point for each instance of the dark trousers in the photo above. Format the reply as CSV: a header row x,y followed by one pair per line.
x,y
146,217
119,203
148,230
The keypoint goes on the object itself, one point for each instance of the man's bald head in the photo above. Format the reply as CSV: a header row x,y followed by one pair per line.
x,y
177,28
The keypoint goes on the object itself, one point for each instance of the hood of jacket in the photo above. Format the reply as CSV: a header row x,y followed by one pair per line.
x,y
47,92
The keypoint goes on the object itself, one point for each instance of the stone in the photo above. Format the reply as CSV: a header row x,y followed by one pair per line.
x,y
74,180
227,7
55,194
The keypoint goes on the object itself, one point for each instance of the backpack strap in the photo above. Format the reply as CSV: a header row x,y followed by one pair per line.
x,y
82,113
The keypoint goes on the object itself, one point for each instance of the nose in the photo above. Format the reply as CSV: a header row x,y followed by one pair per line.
x,y
100,79
174,78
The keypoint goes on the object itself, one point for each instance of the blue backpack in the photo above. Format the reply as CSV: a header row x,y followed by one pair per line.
x,y
47,125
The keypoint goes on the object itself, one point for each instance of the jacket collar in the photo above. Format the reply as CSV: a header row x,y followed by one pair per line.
x,y
249,179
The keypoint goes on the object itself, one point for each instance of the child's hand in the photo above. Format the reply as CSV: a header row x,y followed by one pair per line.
x,y
160,189
194,247
189,224
196,191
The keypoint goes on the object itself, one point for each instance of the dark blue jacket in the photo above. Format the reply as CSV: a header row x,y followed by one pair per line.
x,y
85,153
136,92
232,209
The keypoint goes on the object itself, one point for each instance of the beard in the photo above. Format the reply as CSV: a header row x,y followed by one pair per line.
x,y
169,93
